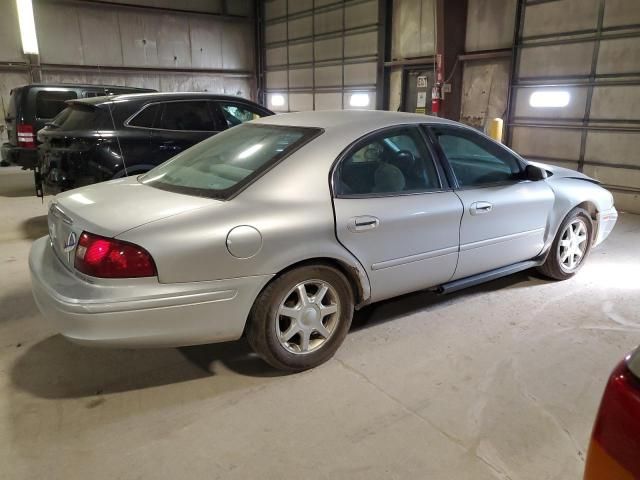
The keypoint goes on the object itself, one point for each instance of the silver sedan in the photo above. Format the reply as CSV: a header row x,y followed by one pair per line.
x,y
279,228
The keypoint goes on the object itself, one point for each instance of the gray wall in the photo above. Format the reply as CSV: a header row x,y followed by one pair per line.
x,y
599,131
81,42
10,51
318,52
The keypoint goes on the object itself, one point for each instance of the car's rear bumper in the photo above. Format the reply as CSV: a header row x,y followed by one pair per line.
x,y
139,312
606,221
24,157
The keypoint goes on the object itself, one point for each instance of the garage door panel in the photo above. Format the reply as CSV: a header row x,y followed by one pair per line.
x,y
301,52
620,55
329,21
328,49
301,78
560,16
328,101
620,177
621,12
556,60
361,14
276,79
575,109
547,143
610,147
616,102
300,101
275,32
276,56
360,74
361,44
300,27
328,76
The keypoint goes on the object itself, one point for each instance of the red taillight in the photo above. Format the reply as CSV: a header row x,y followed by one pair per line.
x,y
26,137
109,258
615,442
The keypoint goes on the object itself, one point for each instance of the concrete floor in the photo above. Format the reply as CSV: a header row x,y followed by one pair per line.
x,y
500,381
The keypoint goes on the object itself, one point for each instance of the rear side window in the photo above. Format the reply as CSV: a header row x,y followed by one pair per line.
x,y
187,116
236,114
51,103
392,162
146,117
79,117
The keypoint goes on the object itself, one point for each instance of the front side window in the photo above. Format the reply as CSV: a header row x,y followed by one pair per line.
x,y
188,116
51,103
222,164
393,162
236,114
475,160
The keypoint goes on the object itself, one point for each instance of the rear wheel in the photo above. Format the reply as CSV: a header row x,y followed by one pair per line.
x,y
301,318
571,246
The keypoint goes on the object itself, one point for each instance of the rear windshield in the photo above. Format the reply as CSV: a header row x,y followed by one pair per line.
x,y
51,103
224,163
79,117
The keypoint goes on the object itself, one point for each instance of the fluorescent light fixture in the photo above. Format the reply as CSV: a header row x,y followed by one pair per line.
x,y
27,27
359,100
549,99
250,151
277,100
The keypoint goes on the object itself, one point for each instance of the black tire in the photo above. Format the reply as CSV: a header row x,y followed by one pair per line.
x,y
262,330
553,267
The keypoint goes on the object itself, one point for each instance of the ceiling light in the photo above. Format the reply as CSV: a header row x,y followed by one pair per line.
x,y
277,100
27,27
359,100
549,99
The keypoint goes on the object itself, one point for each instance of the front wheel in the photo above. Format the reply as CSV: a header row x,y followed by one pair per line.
x,y
570,247
301,318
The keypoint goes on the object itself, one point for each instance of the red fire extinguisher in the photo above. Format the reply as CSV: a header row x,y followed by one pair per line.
x,y
435,99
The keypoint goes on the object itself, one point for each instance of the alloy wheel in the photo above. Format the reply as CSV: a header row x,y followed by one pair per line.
x,y
308,316
573,245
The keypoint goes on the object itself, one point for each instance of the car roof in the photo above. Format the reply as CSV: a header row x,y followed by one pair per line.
x,y
351,122
129,97
83,86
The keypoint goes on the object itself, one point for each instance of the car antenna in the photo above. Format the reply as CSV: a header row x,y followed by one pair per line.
x,y
113,124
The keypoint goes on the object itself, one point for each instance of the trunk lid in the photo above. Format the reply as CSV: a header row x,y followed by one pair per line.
x,y
110,209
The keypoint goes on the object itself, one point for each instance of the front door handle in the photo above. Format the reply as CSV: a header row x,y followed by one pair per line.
x,y
478,208
363,223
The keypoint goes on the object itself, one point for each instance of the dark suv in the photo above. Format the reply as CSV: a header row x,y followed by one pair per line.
x,y
31,107
105,138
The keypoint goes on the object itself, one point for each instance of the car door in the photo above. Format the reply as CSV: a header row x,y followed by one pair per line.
x,y
181,124
395,213
505,215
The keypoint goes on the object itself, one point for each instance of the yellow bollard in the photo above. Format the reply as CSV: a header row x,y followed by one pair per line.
x,y
495,129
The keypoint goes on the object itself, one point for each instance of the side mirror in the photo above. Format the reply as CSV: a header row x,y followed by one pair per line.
x,y
534,173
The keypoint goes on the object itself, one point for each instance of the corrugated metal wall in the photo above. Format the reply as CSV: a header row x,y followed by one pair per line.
x,y
589,49
211,49
319,52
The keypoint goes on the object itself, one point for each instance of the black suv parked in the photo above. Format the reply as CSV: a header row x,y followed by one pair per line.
x,y
110,137
31,107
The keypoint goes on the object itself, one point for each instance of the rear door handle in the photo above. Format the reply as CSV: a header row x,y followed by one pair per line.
x,y
363,223
478,208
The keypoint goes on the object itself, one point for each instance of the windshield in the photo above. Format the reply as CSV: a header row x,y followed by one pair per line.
x,y
224,163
